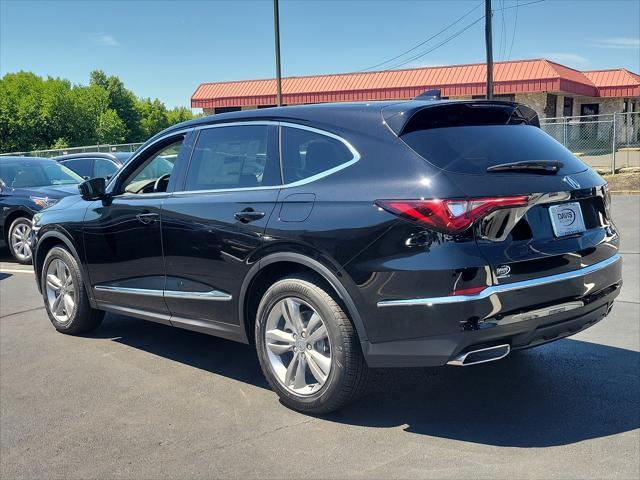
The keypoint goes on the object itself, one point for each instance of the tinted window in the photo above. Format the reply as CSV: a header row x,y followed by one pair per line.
x,y
38,173
82,166
306,153
233,157
159,165
471,149
104,168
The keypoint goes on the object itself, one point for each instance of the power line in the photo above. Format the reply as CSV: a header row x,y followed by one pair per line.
x,y
515,26
420,55
447,40
503,33
425,41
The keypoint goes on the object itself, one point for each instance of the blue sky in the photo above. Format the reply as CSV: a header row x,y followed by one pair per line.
x,y
165,49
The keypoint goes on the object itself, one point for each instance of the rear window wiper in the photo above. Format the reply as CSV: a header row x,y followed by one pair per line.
x,y
545,167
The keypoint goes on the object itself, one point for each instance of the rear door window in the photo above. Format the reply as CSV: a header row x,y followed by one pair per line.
x,y
237,156
104,168
82,166
306,153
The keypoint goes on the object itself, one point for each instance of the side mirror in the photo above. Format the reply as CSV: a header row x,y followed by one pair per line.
x,y
93,189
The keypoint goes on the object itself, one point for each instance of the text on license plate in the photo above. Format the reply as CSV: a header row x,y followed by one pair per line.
x,y
566,219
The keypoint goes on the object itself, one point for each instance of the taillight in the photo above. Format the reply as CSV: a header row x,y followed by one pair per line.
x,y
467,291
450,216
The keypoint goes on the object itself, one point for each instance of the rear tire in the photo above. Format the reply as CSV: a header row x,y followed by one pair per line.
x,y
65,296
308,348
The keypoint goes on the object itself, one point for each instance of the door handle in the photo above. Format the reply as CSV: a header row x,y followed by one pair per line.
x,y
146,217
248,215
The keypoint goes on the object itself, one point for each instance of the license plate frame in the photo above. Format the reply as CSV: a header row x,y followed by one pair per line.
x,y
566,219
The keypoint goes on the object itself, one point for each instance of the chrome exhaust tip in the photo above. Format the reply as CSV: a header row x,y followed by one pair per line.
x,y
482,355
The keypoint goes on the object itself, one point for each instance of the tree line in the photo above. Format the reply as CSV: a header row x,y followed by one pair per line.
x,y
38,113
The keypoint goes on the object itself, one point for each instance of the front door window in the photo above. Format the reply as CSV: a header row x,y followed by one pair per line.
x,y
154,174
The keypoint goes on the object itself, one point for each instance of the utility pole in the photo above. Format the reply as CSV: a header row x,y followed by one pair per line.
x,y
489,41
276,22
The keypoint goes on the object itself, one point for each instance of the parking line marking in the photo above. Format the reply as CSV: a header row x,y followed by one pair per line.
x,y
15,271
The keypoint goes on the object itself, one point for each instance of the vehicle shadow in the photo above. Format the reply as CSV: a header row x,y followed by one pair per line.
x,y
216,355
557,394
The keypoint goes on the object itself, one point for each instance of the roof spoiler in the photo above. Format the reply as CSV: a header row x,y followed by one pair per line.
x,y
433,94
404,117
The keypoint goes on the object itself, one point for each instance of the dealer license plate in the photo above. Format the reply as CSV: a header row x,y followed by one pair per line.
x,y
566,219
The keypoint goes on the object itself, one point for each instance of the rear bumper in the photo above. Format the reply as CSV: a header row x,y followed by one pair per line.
x,y
521,314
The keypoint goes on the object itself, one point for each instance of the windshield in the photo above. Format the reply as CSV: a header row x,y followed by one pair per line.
x,y
29,174
472,149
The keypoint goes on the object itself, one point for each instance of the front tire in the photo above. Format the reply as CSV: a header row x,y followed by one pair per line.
x,y
65,296
308,348
18,240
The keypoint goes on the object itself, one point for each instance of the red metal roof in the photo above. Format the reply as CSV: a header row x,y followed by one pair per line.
x,y
521,76
615,83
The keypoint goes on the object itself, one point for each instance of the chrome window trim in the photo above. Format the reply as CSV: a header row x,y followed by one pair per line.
x,y
355,157
507,287
212,295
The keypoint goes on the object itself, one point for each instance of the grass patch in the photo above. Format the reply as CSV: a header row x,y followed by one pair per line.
x,y
624,182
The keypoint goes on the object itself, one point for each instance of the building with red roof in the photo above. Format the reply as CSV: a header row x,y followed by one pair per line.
x,y
554,90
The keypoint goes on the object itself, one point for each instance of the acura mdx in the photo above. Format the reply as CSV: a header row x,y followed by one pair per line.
x,y
342,237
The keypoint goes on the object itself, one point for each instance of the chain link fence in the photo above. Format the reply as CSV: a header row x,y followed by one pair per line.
x,y
122,147
606,142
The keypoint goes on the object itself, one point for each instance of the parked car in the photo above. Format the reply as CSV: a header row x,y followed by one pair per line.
x,y
341,237
94,164
28,185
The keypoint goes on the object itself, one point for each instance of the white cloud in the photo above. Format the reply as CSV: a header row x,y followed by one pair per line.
x,y
566,58
622,43
105,39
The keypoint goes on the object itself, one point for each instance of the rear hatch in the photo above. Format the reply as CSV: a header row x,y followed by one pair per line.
x,y
491,150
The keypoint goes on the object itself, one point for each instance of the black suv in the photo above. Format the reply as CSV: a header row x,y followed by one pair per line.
x,y
340,237
94,164
28,185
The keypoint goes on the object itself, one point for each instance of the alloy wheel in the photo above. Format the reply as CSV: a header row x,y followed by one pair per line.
x,y
20,242
298,346
61,294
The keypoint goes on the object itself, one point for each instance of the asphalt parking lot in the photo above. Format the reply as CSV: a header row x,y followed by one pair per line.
x,y
142,400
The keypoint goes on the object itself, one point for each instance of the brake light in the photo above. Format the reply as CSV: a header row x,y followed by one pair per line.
x,y
450,216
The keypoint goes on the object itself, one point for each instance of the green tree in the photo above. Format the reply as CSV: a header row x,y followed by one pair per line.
x,y
179,114
111,128
153,116
20,99
89,103
38,113
60,143
121,100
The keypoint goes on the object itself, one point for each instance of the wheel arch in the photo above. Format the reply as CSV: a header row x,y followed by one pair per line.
x,y
45,244
288,263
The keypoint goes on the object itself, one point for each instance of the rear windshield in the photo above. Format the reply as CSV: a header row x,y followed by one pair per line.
x,y
472,149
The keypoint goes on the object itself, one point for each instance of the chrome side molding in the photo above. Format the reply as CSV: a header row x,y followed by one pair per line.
x,y
212,295
129,291
482,355
507,287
